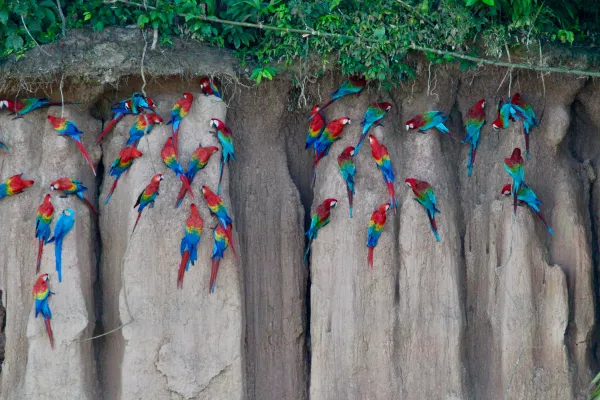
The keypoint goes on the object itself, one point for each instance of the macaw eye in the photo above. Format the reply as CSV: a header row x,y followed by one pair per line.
x,y
333,204
408,184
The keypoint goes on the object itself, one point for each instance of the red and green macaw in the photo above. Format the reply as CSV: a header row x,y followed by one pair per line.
x,y
426,197
376,225
331,134
227,151
526,196
189,243
121,164
169,157
66,127
24,106
508,111
430,120
474,122
354,85
63,226
199,160
315,127
382,159
208,87
143,125
221,242
527,115
122,109
147,197
179,112
41,294
320,218
73,187
217,208
14,185
514,165
373,115
43,219
348,170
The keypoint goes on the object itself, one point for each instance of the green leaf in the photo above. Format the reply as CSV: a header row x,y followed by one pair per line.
x,y
379,32
3,17
47,3
142,20
49,14
489,2
469,3
87,16
333,4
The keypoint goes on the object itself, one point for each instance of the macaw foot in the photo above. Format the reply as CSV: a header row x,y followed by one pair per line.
x,y
381,125
18,117
151,204
63,196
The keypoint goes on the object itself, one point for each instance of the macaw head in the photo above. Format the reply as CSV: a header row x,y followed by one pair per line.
x,y
507,189
384,207
157,178
330,203
410,124
385,106
188,96
58,184
345,120
205,82
5,104
53,120
194,210
44,277
315,109
130,152
47,198
410,182
348,151
205,190
155,119
516,154
480,104
169,142
373,140
151,103
497,124
515,98
216,123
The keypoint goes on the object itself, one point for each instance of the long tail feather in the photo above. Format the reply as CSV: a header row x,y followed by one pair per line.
x,y
58,256
434,227
526,144
330,102
229,233
307,251
349,199
220,175
392,193
58,103
136,221
544,222
181,195
184,261
213,274
370,257
49,330
85,155
112,189
39,257
360,142
186,183
472,159
515,202
113,122
90,205
176,139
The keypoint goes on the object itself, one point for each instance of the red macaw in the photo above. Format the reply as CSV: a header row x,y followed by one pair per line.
x,y
515,168
179,112
120,110
169,157
382,159
226,140
527,115
474,122
143,125
72,187
217,208
526,196
208,87
331,134
426,197
354,85
320,218
24,106
147,197
348,170
199,160
189,243
376,225
13,185
41,294
66,127
315,127
43,219
430,120
121,164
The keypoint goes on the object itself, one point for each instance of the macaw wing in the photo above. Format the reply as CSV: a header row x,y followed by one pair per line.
x,y
386,169
473,130
373,234
528,196
430,199
227,144
371,115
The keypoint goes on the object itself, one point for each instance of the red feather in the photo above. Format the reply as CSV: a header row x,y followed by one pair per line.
x,y
49,330
186,183
229,233
39,257
181,194
370,257
113,122
90,205
392,193
184,260
112,188
213,274
136,221
176,143
85,155
432,222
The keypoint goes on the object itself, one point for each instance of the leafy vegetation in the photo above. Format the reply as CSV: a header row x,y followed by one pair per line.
x,y
382,31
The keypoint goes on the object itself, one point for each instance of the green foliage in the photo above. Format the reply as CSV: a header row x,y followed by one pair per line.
x,y
595,388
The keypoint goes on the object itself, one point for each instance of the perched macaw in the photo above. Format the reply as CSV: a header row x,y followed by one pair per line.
x,y
426,197
121,164
189,243
61,229
526,196
227,151
217,208
348,169
13,185
3,146
72,187
474,122
24,106
41,293
199,160
430,120
170,159
320,218
209,87
508,111
66,127
315,127
373,115
179,112
527,116
382,158
354,85
143,125
43,219
221,242
331,133
120,110
147,197
137,103
514,167
376,225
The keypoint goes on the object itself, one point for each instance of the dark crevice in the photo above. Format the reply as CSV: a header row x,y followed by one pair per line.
x,y
2,330
595,339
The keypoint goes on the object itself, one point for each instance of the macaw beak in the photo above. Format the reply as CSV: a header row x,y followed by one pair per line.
x,y
407,127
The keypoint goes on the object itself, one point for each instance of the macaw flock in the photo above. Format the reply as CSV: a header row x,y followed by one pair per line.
x,y
321,137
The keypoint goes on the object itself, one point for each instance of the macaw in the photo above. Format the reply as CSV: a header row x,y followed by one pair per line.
x,y
179,112
72,187
430,120
474,122
373,115
376,225
348,169
61,229
120,110
43,219
199,160
514,167
221,242
13,185
227,151
24,106
189,243
217,208
121,164
41,293
320,218
331,133
142,126
138,102
507,111
66,127
209,87
526,196
315,127
170,159
354,85
147,197
382,158
426,197
527,116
